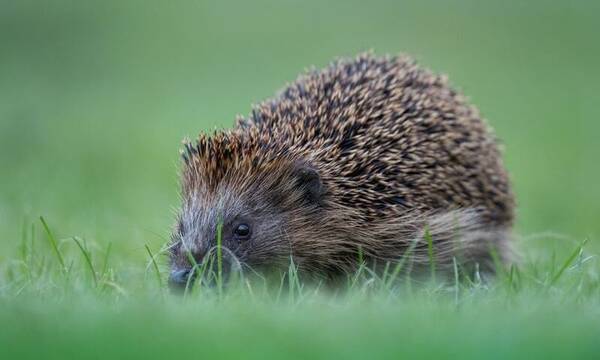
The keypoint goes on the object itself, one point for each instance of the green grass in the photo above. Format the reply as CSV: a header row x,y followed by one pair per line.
x,y
95,98
59,303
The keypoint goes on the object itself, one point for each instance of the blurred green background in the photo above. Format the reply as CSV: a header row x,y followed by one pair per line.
x,y
95,97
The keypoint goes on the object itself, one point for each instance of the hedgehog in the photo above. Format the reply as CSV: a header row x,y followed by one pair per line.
x,y
370,160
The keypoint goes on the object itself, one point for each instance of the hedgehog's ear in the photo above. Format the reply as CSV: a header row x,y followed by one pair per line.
x,y
308,179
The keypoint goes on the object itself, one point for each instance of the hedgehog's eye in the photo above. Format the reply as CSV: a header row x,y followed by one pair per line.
x,y
242,231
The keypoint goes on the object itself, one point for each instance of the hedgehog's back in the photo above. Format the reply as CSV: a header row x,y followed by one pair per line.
x,y
389,137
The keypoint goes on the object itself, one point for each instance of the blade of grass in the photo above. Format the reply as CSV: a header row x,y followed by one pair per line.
x,y
361,256
498,265
54,245
512,280
456,282
31,247
155,265
357,275
294,286
402,261
197,273
361,265
568,262
386,271
88,260
189,284
106,256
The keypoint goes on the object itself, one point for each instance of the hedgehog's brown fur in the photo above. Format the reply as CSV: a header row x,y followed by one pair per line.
x,y
365,157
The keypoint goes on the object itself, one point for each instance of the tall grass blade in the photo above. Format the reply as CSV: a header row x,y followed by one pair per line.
x,y
400,265
498,265
568,262
106,257
88,260
155,265
54,245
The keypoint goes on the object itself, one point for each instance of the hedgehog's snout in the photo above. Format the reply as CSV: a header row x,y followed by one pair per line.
x,y
207,270
179,279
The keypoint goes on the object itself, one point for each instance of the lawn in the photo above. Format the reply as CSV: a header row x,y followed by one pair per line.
x,y
96,97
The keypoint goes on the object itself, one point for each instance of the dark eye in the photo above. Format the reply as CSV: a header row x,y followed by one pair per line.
x,y
242,231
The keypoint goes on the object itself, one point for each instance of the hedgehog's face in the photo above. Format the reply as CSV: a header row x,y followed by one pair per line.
x,y
254,216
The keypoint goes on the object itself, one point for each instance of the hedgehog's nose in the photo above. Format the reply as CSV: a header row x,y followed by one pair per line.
x,y
178,280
